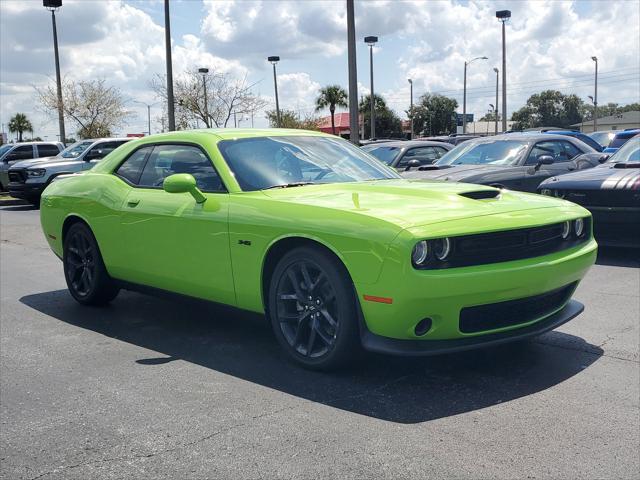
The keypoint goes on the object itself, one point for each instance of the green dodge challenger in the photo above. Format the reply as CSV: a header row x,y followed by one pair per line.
x,y
334,247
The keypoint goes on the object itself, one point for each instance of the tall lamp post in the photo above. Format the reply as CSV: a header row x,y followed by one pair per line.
x,y
52,6
275,59
354,117
595,98
148,105
496,107
411,105
167,43
371,41
204,72
503,16
464,94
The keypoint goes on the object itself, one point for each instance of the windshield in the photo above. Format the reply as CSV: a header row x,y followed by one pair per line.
x,y
5,148
497,152
384,154
75,150
267,162
603,138
628,153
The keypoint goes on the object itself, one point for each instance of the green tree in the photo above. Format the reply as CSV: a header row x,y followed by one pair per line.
x,y
19,124
290,119
388,124
331,96
490,117
549,108
435,114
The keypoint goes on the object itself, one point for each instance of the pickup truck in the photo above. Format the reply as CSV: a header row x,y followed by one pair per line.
x,y
11,153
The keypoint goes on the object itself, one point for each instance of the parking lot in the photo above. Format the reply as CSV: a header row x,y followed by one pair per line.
x,y
151,388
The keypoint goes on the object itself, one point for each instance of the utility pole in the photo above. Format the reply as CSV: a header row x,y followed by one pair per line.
x,y
595,98
464,94
52,5
371,41
495,111
503,16
354,123
411,105
204,72
275,59
167,41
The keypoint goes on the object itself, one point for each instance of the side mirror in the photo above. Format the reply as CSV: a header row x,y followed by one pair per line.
x,y
603,158
183,183
413,163
543,160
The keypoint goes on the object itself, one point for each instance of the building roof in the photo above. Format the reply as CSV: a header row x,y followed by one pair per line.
x,y
341,122
625,118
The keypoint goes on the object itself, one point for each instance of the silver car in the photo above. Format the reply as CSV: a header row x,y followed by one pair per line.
x,y
29,178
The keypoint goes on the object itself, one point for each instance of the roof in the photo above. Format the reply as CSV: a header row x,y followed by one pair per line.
x,y
341,121
410,143
45,142
632,118
628,133
231,133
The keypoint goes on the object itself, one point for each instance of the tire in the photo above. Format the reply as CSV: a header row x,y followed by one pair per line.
x,y
84,271
312,309
35,201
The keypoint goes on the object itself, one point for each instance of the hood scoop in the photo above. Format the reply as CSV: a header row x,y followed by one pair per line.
x,y
481,194
626,165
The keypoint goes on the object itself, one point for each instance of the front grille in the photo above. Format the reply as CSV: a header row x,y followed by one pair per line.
x,y
604,198
17,176
504,246
513,312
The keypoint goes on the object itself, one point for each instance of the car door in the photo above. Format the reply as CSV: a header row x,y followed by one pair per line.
x,y
169,241
98,151
561,151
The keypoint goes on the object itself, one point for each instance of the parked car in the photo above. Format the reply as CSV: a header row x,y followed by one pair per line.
x,y
408,154
571,133
333,246
611,192
11,153
454,139
620,139
514,161
27,179
381,140
604,137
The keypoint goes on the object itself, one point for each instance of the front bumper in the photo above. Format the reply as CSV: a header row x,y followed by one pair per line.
x,y
390,346
616,226
26,190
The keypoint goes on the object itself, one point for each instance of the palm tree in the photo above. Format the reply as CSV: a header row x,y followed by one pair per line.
x,y
330,96
20,123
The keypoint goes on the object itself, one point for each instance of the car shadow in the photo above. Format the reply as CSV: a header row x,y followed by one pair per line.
x,y
403,390
619,257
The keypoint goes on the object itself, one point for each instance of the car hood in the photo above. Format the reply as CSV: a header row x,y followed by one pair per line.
x,y
40,162
602,177
459,173
412,203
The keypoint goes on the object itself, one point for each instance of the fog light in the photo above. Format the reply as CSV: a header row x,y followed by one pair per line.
x,y
441,248
423,326
420,253
566,230
578,227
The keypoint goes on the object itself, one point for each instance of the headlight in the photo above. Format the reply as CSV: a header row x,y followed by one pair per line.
x,y
420,253
36,172
578,227
566,230
441,248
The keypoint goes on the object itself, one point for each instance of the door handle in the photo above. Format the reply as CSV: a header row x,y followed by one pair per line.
x,y
133,202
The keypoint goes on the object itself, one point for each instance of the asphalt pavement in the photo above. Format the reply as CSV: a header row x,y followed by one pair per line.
x,y
149,388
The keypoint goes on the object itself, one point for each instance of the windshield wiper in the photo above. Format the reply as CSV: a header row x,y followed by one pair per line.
x,y
287,185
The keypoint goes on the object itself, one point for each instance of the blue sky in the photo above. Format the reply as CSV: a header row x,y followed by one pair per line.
x,y
549,45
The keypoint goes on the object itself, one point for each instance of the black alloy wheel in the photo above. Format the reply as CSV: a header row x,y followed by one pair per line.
x,y
312,309
84,270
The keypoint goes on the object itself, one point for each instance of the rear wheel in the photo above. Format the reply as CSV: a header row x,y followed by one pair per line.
x,y
312,309
85,273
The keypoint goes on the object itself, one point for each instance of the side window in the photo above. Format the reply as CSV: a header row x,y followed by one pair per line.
x,y
47,150
23,152
132,167
425,155
103,149
167,160
571,150
440,151
552,148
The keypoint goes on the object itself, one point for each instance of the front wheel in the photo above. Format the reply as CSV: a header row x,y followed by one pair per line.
x,y
85,273
312,309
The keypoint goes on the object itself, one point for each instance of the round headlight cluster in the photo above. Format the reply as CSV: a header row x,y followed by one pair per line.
x,y
426,251
578,227
566,230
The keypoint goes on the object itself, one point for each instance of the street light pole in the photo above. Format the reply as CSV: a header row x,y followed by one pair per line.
x,y
52,5
495,110
354,124
204,72
411,105
595,98
503,16
371,41
275,59
167,43
464,94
